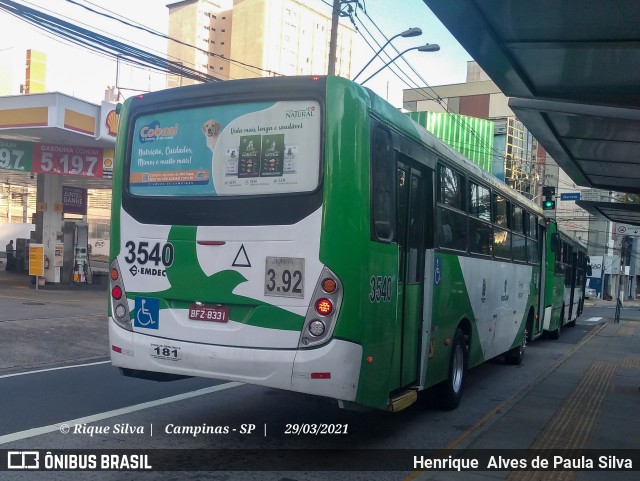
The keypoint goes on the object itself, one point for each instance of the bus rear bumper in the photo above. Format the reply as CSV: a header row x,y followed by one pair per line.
x,y
331,370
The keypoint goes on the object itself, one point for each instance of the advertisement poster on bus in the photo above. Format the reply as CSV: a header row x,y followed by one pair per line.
x,y
241,149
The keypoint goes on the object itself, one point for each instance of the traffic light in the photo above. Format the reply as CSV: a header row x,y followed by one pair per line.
x,y
548,203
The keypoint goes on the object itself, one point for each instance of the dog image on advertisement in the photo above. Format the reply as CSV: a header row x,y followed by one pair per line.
x,y
211,130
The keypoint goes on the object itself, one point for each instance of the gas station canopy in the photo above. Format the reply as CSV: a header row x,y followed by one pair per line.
x,y
571,69
53,133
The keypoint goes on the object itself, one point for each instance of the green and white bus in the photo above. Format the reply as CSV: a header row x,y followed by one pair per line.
x,y
300,233
567,268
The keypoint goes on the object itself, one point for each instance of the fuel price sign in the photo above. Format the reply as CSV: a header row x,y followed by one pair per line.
x,y
67,160
15,155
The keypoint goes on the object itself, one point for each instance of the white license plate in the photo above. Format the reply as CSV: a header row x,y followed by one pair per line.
x,y
284,277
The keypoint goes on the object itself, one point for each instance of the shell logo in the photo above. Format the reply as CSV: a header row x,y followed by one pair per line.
x,y
111,123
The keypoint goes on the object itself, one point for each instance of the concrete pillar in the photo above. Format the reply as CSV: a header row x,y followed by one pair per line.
x,y
50,191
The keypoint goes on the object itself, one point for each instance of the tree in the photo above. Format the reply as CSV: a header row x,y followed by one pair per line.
x,y
627,198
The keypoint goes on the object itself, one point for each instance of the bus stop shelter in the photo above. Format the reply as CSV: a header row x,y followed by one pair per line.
x,y
571,69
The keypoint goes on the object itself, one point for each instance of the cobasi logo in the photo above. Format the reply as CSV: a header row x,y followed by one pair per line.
x,y
153,132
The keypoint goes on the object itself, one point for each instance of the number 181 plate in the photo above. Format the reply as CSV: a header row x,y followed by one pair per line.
x,y
284,277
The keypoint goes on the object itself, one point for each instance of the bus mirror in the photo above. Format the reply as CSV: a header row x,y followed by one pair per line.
x,y
555,243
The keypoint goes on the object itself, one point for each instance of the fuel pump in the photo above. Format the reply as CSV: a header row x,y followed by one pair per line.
x,y
81,273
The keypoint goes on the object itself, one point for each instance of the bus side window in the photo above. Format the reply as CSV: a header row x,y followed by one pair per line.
x,y
383,187
502,224
451,217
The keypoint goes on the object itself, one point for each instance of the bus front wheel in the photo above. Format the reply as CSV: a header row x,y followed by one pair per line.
x,y
451,389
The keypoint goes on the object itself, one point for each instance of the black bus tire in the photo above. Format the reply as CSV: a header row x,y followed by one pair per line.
x,y
451,389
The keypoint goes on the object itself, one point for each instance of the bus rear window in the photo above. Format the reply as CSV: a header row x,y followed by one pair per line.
x,y
227,150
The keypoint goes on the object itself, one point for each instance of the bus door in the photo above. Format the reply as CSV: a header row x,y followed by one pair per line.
x,y
572,295
542,243
411,219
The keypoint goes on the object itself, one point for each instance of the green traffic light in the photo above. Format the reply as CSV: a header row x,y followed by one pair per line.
x,y
548,204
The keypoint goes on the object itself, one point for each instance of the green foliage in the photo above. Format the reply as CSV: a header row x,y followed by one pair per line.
x,y
629,198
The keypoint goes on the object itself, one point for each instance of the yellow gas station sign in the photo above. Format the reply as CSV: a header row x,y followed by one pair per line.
x,y
36,260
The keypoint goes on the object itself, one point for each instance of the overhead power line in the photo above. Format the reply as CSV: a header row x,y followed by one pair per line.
x,y
101,43
130,23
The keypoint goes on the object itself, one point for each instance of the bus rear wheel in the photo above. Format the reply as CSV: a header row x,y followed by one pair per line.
x,y
516,355
555,334
573,322
451,389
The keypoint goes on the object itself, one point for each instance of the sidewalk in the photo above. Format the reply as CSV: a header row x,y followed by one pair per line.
x,y
45,327
589,399
11,282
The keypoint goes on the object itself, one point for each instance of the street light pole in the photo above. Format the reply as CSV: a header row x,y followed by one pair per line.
x,y
430,47
412,32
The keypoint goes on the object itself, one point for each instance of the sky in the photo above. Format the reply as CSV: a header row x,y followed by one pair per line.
x,y
83,74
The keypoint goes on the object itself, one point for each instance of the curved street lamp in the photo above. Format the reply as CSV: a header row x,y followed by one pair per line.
x,y
412,32
429,47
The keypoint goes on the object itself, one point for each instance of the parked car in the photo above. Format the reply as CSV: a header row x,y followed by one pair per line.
x,y
590,293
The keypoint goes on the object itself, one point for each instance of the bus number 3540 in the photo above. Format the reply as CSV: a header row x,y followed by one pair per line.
x,y
149,253
380,289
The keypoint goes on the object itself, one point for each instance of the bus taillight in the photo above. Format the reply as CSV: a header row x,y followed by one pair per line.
x,y
317,328
116,293
324,307
323,310
329,285
118,301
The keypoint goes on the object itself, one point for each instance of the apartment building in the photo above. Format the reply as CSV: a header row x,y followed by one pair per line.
x,y
236,39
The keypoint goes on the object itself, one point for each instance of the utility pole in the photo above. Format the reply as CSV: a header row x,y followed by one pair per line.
x,y
620,294
335,16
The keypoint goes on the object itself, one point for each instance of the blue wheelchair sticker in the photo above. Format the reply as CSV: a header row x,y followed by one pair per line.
x,y
147,313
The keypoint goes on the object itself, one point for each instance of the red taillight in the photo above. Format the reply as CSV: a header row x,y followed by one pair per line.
x,y
116,348
116,293
320,375
324,307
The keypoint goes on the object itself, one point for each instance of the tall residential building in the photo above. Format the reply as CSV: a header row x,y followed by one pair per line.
x,y
254,38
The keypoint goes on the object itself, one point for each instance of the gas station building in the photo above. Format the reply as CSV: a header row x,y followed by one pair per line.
x,y
60,150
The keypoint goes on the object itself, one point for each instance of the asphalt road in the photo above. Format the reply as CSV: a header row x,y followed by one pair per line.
x,y
53,372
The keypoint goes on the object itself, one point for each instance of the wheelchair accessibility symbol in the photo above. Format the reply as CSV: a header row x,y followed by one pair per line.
x,y
147,313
